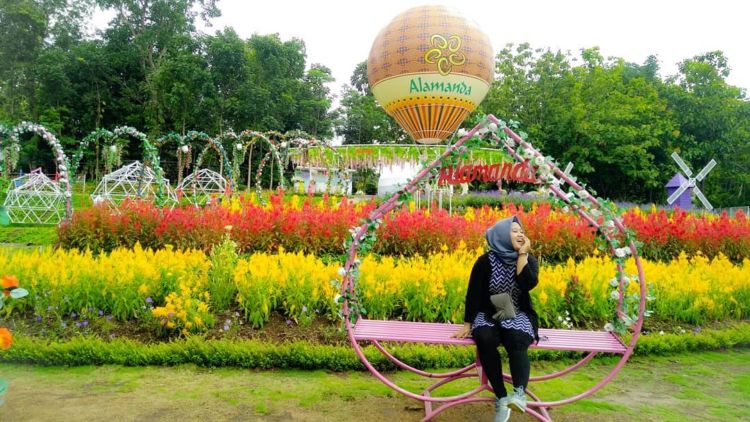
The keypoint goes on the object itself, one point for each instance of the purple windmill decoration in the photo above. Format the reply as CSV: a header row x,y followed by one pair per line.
x,y
685,199
682,191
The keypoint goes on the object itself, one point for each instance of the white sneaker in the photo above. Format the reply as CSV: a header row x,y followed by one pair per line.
x,y
517,400
502,412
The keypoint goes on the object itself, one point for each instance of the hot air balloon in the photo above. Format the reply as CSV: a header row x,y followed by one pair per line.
x,y
429,68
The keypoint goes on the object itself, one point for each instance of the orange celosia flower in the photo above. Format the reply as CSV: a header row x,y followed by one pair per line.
x,y
9,282
5,339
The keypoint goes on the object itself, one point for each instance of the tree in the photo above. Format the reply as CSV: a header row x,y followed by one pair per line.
x,y
182,82
713,123
361,119
315,102
228,68
606,119
23,26
155,28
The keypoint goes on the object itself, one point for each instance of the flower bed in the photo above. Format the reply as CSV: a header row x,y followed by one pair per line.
x,y
300,225
178,291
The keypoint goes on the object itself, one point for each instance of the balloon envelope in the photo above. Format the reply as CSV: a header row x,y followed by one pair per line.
x,y
429,68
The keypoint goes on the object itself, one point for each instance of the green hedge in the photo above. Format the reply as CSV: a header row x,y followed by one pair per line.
x,y
254,354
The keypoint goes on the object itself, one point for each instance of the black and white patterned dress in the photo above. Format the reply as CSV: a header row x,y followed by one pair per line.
x,y
503,281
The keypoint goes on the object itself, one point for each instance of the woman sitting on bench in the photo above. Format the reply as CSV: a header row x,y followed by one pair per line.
x,y
499,311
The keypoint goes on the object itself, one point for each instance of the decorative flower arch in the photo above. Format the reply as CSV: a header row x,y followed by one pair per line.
x,y
83,146
10,149
150,158
183,151
215,145
629,310
230,138
248,139
61,161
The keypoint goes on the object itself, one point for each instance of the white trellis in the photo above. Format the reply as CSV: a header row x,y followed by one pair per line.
x,y
134,181
200,187
35,199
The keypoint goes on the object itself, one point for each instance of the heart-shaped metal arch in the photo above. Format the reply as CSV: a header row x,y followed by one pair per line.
x,y
537,408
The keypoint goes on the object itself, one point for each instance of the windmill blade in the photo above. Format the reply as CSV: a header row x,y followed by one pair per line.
x,y
711,164
673,197
682,164
703,199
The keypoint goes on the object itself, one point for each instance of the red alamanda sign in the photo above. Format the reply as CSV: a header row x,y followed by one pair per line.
x,y
519,172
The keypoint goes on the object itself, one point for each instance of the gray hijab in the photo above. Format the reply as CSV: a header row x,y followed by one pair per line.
x,y
498,239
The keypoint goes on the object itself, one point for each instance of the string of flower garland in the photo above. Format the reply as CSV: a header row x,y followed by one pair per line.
x,y
10,149
61,160
303,142
612,236
150,159
216,146
231,138
183,151
247,139
112,150
84,145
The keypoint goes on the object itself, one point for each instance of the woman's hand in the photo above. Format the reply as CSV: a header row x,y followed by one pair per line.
x,y
463,332
526,245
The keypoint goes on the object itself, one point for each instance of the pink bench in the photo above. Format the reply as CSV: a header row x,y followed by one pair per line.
x,y
376,331
436,333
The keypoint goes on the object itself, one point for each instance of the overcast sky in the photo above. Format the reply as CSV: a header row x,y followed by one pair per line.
x,y
340,34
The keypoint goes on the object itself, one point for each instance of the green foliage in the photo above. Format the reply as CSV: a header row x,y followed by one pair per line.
x,y
618,122
361,119
494,201
221,284
255,354
365,180
151,69
28,235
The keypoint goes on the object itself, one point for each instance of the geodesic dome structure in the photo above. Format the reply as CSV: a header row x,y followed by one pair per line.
x,y
35,199
200,187
134,181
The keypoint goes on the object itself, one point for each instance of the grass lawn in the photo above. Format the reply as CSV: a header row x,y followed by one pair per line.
x,y
711,386
27,235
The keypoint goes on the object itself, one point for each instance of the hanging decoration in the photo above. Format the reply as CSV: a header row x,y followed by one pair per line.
x,y
183,151
375,157
298,148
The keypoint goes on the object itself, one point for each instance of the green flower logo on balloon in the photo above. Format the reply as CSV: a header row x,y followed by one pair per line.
x,y
445,53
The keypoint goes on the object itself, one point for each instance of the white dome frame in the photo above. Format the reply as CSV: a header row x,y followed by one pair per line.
x,y
133,181
200,186
35,199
